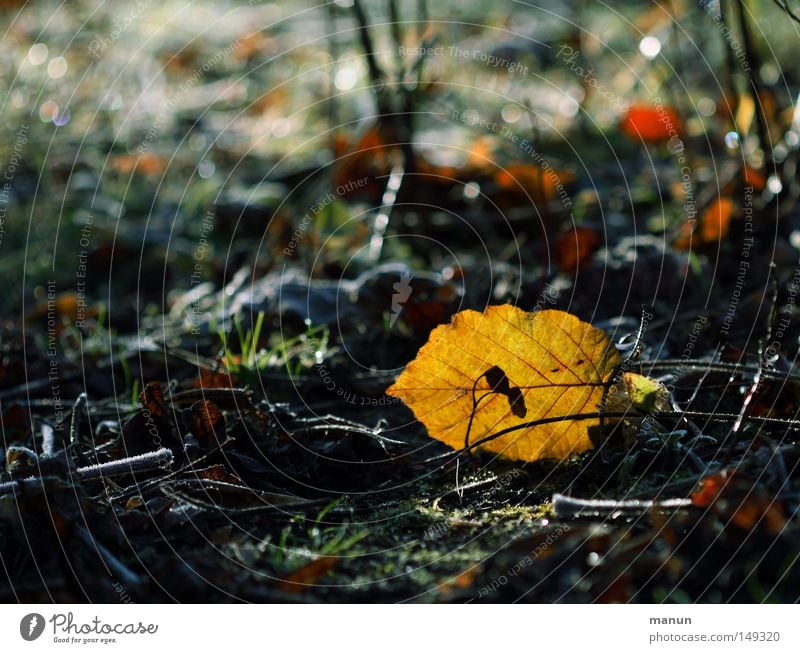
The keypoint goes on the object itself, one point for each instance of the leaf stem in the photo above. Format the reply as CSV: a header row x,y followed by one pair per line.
x,y
475,403
716,366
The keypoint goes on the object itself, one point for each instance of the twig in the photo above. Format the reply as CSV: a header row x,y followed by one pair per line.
x,y
48,440
689,423
139,487
146,462
397,117
756,384
564,506
197,394
716,366
719,417
682,485
784,4
74,425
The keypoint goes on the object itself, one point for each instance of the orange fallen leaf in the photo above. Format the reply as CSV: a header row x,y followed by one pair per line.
x,y
481,153
461,581
252,44
575,246
271,98
524,367
716,220
363,159
67,308
710,488
308,574
713,225
685,238
754,178
734,498
651,124
534,180
147,164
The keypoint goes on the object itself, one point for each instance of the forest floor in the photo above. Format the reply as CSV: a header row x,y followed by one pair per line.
x,y
225,233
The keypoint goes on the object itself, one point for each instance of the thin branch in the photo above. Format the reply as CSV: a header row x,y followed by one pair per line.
x,y
785,6
394,19
146,462
754,76
422,17
716,366
564,506
375,73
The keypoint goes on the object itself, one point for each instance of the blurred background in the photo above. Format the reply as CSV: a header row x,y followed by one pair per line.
x,y
152,147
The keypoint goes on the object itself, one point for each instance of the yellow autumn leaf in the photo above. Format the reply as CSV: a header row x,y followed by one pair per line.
x,y
524,367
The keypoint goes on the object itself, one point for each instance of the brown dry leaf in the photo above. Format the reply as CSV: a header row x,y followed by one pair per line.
x,y
540,365
152,398
208,423
181,61
219,473
207,378
440,175
366,157
308,574
574,248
